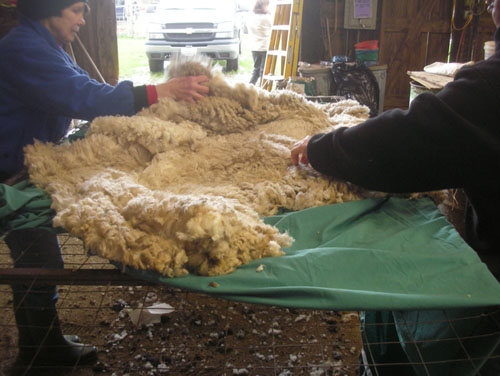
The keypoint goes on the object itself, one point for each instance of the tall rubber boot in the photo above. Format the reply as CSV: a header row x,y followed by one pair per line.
x,y
52,347
27,347
25,342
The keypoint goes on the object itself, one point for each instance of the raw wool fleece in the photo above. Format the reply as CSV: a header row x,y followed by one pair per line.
x,y
180,188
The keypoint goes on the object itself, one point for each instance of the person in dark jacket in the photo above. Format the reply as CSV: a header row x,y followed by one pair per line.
x,y
446,140
41,91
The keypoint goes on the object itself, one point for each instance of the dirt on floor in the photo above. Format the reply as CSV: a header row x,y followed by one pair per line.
x,y
202,335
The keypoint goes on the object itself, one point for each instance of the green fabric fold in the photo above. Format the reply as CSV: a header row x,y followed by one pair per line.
x,y
23,206
373,254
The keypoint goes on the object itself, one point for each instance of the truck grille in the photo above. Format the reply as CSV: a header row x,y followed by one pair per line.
x,y
200,25
195,36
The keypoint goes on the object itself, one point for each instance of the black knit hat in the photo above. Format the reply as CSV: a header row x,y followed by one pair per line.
x,y
40,9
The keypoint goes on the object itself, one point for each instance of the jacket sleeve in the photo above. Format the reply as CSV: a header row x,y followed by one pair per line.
x,y
448,140
43,77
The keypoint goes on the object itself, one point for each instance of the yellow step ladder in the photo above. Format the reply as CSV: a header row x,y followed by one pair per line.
x,y
284,43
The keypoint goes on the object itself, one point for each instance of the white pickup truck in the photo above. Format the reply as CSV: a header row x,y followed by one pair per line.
x,y
191,27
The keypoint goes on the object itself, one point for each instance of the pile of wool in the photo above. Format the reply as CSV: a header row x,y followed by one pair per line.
x,y
181,187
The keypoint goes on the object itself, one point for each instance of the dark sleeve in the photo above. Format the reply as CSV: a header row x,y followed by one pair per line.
x,y
442,141
140,97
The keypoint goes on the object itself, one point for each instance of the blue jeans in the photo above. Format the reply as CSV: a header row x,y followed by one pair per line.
x,y
259,61
35,249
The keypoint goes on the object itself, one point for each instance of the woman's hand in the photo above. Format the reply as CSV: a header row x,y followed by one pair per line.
x,y
189,89
299,151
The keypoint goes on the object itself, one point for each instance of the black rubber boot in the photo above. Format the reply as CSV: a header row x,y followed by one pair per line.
x,y
54,347
40,338
25,342
51,347
28,344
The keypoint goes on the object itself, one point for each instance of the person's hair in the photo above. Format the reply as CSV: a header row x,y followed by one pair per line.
x,y
261,7
87,10
40,9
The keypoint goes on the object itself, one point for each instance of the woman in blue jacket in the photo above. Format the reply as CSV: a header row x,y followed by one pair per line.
x,y
41,90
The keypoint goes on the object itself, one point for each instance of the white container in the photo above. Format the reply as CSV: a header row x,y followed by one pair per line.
x,y
380,73
416,89
489,49
322,75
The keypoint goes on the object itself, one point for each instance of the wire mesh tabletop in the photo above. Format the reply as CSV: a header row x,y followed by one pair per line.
x,y
202,335
444,342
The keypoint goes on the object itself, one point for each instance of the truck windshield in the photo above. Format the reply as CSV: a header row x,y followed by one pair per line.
x,y
196,4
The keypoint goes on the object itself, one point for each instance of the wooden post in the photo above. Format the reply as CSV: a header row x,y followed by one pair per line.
x,y
100,39
455,36
89,60
8,19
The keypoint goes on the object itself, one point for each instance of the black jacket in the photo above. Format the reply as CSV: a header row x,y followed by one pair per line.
x,y
447,140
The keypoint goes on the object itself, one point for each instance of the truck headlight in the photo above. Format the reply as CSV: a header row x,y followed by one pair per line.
x,y
225,30
155,31
155,35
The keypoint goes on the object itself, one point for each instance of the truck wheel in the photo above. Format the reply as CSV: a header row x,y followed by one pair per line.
x,y
155,65
232,65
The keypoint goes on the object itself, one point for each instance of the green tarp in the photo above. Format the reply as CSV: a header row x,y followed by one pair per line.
x,y
24,206
374,254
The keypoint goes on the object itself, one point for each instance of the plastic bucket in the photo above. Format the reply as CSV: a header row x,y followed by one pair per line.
x,y
489,49
322,76
416,89
367,45
369,57
366,55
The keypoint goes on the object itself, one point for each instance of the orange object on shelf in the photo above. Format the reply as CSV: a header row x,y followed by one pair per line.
x,y
367,45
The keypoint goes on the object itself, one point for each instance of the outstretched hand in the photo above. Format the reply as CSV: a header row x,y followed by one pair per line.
x,y
299,151
189,89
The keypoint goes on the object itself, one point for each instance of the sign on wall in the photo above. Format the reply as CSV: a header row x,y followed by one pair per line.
x,y
362,8
360,14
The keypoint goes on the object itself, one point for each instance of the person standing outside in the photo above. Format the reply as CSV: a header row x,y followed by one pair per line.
x,y
259,30
41,91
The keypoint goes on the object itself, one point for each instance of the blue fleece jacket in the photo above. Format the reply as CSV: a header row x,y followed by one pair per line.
x,y
42,89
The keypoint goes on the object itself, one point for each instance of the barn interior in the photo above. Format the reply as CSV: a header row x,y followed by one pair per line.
x,y
371,284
